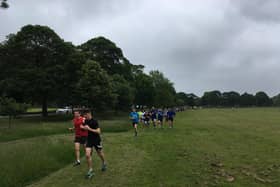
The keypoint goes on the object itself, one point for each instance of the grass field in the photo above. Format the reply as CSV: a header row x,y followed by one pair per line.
x,y
208,147
34,109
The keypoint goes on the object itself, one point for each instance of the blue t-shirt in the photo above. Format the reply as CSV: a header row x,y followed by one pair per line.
x,y
170,114
134,116
160,115
154,114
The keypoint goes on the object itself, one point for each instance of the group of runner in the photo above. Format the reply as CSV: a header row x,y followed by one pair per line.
x,y
87,136
154,116
87,132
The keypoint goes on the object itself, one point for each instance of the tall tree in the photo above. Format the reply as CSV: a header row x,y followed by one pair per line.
x,y
34,61
124,92
164,90
95,86
276,100
262,99
4,4
247,100
212,98
108,55
144,90
230,99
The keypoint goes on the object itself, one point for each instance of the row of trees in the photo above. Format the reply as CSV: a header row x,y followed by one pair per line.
x,y
38,67
229,99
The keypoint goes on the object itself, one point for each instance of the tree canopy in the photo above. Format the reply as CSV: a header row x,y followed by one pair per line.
x,y
39,67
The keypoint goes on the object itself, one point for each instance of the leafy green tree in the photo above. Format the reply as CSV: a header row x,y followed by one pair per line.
x,y
95,87
164,90
108,55
276,100
212,98
262,99
144,90
181,99
11,108
32,66
4,4
230,99
247,100
123,91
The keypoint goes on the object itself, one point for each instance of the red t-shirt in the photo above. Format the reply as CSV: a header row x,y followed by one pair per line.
x,y
78,131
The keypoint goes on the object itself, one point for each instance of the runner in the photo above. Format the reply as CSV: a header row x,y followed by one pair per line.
x,y
147,118
135,120
93,141
165,114
80,135
160,118
170,115
154,117
140,115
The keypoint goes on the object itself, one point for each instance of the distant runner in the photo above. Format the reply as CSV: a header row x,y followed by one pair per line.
x,y
93,141
135,120
146,118
80,135
170,115
160,118
154,117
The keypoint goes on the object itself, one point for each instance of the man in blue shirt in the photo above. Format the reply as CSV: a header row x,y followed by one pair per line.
x,y
154,116
170,116
135,120
160,117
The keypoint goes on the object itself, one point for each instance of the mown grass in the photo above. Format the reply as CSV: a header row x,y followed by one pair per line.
x,y
35,147
26,160
34,109
28,127
209,147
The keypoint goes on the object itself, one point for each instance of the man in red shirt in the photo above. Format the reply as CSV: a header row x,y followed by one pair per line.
x,y
80,135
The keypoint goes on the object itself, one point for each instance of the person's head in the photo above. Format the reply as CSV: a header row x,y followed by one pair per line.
x,y
88,115
77,114
133,110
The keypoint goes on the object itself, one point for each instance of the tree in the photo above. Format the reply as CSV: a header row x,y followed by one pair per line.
x,y
212,98
34,62
95,87
144,90
276,100
230,99
247,100
164,90
108,55
4,4
11,108
262,99
123,91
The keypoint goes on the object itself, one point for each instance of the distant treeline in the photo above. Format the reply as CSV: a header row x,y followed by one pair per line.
x,y
38,67
228,99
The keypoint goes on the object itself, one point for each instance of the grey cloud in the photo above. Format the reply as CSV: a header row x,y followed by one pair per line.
x,y
259,10
200,45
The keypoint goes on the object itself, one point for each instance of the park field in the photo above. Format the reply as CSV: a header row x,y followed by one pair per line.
x,y
207,147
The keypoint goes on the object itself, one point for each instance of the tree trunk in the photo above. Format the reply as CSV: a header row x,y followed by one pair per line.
x,y
44,107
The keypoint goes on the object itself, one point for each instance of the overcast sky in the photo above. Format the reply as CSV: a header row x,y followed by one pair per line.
x,y
200,45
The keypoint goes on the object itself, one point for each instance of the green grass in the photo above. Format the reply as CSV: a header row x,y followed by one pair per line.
x,y
34,109
27,160
28,127
205,148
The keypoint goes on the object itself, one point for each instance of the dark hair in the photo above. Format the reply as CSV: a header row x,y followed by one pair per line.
x,y
87,112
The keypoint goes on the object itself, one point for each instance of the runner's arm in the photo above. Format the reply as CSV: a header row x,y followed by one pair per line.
x,y
97,131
